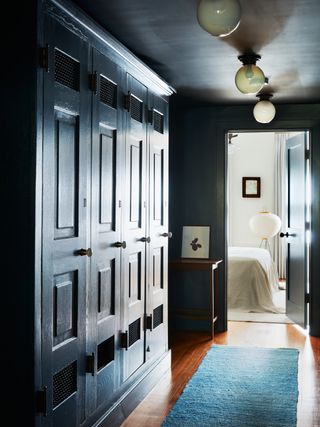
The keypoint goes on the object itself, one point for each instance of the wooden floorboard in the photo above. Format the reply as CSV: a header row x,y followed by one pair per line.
x,y
189,348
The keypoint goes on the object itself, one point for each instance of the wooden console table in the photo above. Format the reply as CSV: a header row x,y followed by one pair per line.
x,y
210,265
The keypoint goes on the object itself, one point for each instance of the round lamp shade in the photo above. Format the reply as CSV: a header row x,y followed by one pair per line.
x,y
219,17
250,79
265,225
264,111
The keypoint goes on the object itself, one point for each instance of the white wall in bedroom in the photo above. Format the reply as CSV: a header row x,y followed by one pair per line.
x,y
254,157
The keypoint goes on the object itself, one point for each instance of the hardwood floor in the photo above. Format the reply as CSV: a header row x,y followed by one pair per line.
x,y
189,348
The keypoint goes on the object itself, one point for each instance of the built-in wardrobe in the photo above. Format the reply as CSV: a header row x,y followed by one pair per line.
x,y
101,224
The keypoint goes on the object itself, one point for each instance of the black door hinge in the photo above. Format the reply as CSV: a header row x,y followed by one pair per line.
x,y
307,298
44,57
126,101
150,117
93,82
148,322
307,154
90,364
41,402
124,340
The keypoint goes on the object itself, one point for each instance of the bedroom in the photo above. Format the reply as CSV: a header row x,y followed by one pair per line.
x,y
257,288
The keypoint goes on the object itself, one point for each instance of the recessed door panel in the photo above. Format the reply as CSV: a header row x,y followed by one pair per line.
x,y
65,307
158,172
135,183
108,141
134,278
106,290
65,174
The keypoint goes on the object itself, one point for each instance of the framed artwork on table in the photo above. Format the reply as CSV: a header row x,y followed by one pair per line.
x,y
195,241
251,186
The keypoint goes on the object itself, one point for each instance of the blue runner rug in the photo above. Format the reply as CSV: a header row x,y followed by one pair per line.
x,y
240,387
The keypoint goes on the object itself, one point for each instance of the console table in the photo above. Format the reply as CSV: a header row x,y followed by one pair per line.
x,y
209,265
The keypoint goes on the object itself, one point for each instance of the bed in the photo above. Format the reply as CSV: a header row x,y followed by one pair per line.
x,y
252,280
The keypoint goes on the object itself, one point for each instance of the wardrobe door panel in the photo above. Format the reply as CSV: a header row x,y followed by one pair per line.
x,y
134,227
104,286
66,136
157,253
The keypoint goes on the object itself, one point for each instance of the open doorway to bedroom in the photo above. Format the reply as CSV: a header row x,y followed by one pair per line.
x,y
258,187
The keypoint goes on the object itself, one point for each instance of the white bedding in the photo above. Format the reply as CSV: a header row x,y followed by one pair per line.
x,y
252,280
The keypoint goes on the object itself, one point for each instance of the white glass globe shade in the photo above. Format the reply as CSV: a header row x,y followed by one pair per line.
x,y
264,111
219,17
250,79
265,224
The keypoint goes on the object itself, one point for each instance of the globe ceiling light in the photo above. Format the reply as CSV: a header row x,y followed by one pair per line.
x,y
249,78
219,17
264,111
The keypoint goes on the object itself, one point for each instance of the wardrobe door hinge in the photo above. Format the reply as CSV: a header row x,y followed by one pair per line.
x,y
90,364
307,154
93,82
44,57
126,102
150,116
124,340
307,298
148,322
41,401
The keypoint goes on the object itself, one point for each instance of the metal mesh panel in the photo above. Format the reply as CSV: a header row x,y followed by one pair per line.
x,y
108,92
134,332
64,383
157,316
136,108
158,121
66,70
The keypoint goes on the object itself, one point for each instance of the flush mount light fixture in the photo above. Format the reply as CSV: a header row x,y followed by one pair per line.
x,y
249,78
264,111
219,17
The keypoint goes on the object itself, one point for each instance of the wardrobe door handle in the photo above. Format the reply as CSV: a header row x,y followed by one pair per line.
x,y
122,245
84,252
145,239
169,234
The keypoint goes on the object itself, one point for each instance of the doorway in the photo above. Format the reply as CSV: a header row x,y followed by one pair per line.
x,y
258,267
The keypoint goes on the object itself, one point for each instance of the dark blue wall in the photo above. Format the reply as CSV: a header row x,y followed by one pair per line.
x,y
20,55
198,185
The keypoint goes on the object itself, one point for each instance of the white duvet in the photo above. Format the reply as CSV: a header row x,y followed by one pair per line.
x,y
252,280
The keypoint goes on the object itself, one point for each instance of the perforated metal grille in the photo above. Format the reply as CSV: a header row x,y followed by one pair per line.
x,y
158,121
64,383
134,332
157,316
136,108
108,92
66,70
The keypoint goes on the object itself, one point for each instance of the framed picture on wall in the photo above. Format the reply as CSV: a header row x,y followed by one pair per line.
x,y
195,241
251,186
